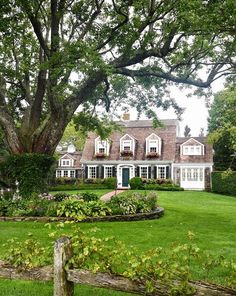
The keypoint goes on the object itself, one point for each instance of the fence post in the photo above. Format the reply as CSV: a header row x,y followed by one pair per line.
x,y
62,253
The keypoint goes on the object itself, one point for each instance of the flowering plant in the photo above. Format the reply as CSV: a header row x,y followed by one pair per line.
x,y
152,155
100,155
126,153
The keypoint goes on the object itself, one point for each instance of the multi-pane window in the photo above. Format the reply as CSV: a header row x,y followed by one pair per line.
x,y
108,171
161,172
143,173
101,150
72,174
153,144
127,145
92,172
101,146
65,173
58,173
192,150
192,174
65,162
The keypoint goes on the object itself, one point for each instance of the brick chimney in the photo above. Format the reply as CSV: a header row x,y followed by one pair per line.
x,y
126,116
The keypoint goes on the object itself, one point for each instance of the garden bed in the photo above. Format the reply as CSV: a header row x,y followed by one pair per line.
x,y
159,212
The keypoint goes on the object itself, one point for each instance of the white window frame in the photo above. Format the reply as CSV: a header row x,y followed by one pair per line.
x,y
90,174
127,143
106,169
190,149
152,141
66,172
141,167
130,141
65,162
159,175
102,144
72,174
58,173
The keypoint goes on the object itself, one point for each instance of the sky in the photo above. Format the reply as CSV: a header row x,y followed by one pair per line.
x,y
196,111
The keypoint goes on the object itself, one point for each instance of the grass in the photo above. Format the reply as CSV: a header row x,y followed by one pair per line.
x,y
210,216
99,192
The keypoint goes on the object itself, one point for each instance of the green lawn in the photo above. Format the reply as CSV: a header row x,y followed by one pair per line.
x,y
210,216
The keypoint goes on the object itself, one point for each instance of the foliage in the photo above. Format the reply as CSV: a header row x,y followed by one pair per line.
x,y
30,170
73,136
136,183
158,181
28,254
132,203
91,62
159,268
224,182
187,131
89,196
222,128
79,209
110,183
60,196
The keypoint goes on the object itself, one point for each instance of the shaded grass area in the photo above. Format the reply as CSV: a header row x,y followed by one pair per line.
x,y
211,217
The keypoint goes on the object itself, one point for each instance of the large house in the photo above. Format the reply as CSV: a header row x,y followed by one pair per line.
x,y
141,150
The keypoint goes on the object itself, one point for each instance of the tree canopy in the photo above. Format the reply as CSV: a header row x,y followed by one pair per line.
x,y
222,128
58,55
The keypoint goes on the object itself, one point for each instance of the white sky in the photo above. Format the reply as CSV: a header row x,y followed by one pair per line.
x,y
196,112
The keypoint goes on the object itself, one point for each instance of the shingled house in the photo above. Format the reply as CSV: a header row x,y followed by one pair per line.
x,y
147,152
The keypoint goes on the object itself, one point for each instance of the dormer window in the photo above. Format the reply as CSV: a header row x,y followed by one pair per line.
x,y
153,145
65,162
102,147
127,144
192,147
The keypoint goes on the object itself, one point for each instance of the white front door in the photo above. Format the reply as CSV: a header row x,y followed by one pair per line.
x,y
192,178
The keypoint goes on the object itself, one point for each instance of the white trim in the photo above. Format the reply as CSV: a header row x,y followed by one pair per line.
x,y
158,140
193,184
89,175
131,168
202,152
105,167
132,142
98,144
161,166
143,166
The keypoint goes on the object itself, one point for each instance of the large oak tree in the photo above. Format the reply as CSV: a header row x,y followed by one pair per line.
x,y
58,55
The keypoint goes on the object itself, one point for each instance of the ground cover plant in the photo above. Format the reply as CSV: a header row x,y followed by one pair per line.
x,y
210,217
79,206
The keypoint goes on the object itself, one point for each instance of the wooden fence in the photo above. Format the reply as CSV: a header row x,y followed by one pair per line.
x,y
64,279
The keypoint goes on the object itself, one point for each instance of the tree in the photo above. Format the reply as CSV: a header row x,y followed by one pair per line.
x,y
187,131
222,128
201,134
58,55
72,136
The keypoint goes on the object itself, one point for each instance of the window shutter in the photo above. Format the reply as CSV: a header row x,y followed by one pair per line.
x,y
155,172
167,172
86,172
149,172
97,172
114,171
137,171
102,175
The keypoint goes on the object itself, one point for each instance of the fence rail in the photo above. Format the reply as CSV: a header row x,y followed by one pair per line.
x,y
64,279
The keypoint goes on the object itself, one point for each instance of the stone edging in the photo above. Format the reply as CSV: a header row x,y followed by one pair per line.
x,y
134,217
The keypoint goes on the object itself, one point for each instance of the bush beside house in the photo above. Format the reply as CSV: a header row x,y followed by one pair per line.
x,y
153,184
224,182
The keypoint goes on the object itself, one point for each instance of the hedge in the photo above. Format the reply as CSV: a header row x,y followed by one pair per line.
x,y
224,182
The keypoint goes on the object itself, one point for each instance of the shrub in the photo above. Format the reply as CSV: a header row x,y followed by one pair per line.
x,y
30,170
224,182
60,196
110,183
136,183
123,204
87,196
63,187
80,209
